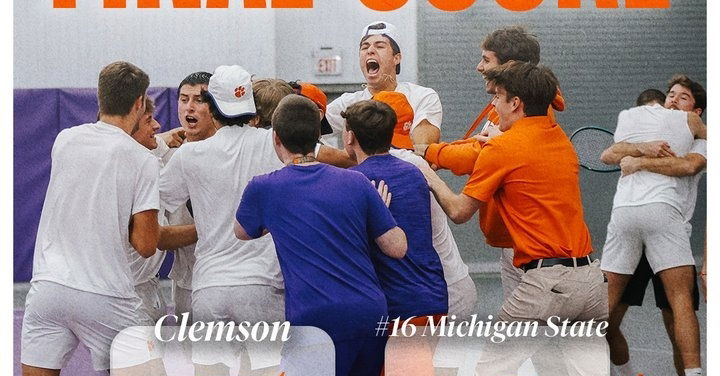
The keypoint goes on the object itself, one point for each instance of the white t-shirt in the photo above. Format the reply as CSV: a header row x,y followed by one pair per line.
x,y
145,269
183,257
213,174
424,101
689,184
453,265
100,177
652,123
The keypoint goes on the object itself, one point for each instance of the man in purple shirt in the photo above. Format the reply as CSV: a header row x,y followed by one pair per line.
x,y
324,221
413,285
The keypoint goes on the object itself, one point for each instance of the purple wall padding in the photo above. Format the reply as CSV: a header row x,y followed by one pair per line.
x,y
39,115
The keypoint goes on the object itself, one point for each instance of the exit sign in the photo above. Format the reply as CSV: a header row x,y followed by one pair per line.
x,y
327,62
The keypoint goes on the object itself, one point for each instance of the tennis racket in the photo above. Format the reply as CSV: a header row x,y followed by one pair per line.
x,y
589,143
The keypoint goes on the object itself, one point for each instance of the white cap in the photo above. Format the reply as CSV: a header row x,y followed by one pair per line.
x,y
230,87
381,27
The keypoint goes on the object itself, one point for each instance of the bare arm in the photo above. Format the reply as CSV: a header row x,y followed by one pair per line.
x,y
696,125
174,237
688,165
459,207
618,151
145,232
335,157
393,243
425,133
703,273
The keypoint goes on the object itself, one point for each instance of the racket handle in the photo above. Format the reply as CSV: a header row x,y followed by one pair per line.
x,y
483,114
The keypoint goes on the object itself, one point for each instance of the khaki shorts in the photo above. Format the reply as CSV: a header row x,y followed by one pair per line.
x,y
57,317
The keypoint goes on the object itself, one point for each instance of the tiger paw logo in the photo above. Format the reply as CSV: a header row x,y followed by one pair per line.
x,y
239,91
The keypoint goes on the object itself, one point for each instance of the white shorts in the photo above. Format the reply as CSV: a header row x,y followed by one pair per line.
x,y
183,300
153,303
253,303
57,317
659,227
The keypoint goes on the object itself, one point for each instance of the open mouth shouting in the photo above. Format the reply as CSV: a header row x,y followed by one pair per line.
x,y
372,67
191,120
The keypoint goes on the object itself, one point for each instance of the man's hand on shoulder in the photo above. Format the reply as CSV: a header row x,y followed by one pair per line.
x,y
383,191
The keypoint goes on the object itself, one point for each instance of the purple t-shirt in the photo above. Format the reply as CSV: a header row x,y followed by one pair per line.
x,y
414,285
323,221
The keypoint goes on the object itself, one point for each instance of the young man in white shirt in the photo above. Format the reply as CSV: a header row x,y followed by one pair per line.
x,y
145,270
232,279
102,201
660,179
196,124
380,64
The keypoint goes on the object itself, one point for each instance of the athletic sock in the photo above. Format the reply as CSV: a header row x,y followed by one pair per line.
x,y
625,369
693,371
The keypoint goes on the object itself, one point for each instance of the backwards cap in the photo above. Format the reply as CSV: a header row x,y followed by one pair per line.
x,y
383,28
230,87
405,116
318,97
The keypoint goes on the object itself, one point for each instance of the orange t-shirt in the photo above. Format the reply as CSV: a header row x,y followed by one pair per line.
x,y
460,156
531,172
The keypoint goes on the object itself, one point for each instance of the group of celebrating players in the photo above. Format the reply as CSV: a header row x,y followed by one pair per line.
x,y
279,206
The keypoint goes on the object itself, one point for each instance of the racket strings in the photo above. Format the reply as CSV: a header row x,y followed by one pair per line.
x,y
589,144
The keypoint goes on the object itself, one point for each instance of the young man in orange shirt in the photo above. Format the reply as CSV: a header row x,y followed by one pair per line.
x,y
499,47
531,173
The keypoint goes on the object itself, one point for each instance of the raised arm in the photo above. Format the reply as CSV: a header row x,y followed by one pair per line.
x,y
145,232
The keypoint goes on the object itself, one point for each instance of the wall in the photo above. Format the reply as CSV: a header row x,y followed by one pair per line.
x,y
66,47
603,58
339,24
